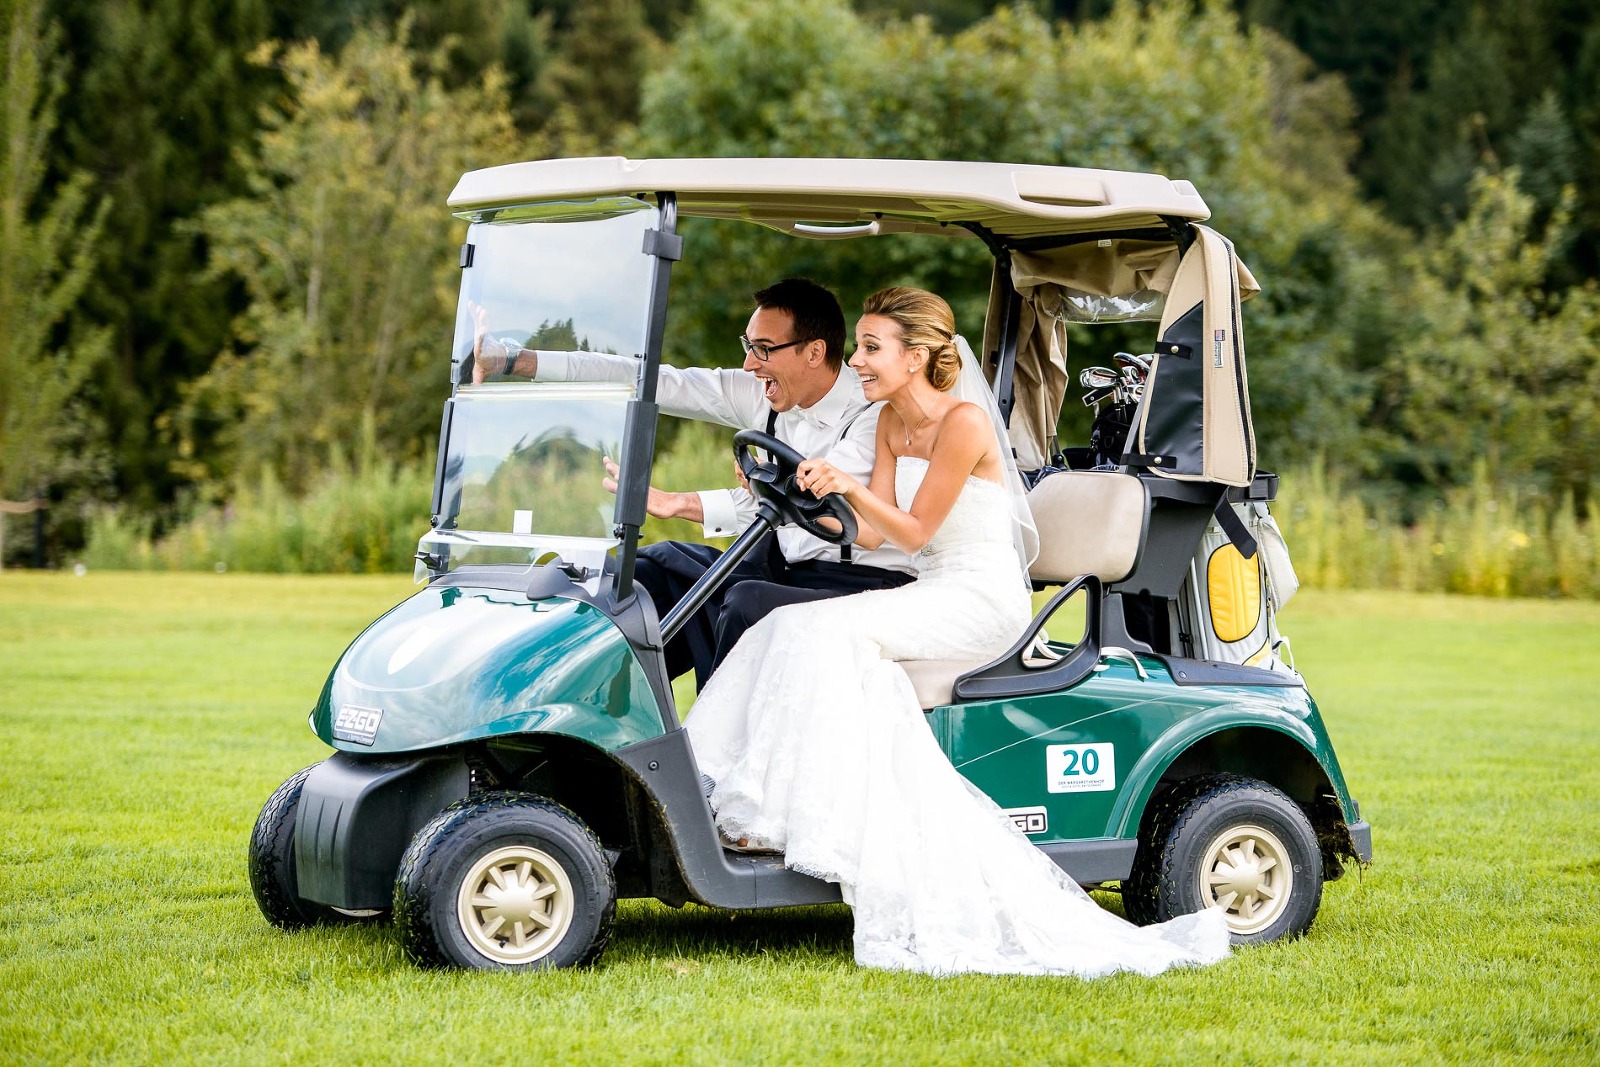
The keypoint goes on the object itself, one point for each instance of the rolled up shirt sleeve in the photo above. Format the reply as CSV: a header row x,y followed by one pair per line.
x,y
726,511
728,397
585,367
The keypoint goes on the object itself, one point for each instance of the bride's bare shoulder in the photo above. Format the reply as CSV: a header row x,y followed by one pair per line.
x,y
966,419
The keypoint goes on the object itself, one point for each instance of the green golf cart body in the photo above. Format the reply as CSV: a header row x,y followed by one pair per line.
x,y
508,757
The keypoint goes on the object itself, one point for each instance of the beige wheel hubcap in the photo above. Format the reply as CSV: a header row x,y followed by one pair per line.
x,y
1247,871
515,904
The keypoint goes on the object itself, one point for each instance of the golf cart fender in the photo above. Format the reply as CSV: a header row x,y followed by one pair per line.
x,y
356,816
1264,720
665,769
453,664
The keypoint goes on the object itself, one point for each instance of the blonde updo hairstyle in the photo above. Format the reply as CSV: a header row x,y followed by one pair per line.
x,y
926,320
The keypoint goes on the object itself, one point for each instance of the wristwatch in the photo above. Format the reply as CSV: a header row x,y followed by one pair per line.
x,y
513,350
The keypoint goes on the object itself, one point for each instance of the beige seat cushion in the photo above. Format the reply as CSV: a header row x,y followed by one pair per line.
x,y
933,679
1090,522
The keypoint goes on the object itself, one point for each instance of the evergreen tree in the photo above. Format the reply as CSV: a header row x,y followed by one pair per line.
x,y
478,34
160,99
1496,369
49,234
346,255
601,58
1444,88
573,69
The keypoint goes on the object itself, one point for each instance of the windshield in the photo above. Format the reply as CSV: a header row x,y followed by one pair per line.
x,y
563,277
522,477
522,454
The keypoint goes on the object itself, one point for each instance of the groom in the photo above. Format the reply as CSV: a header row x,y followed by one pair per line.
x,y
794,384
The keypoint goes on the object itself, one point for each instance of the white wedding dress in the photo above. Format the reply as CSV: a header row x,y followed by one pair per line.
x,y
819,749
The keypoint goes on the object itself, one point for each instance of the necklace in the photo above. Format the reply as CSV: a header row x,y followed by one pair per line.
x,y
911,429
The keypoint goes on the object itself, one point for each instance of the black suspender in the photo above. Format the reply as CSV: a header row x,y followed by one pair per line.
x,y
772,431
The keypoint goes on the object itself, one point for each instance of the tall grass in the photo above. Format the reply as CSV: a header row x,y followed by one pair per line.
x,y
361,517
1481,539
366,516
358,518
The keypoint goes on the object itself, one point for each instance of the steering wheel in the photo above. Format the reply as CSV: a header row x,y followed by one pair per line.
x,y
774,482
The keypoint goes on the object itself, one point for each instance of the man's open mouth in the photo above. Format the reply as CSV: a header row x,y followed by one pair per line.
x,y
769,386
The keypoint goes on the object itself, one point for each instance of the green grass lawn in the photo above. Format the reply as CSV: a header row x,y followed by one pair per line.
x,y
147,717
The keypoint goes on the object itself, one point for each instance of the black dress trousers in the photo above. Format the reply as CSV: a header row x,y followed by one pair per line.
x,y
763,581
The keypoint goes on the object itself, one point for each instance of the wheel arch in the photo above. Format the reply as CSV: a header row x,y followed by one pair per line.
x,y
572,771
1278,749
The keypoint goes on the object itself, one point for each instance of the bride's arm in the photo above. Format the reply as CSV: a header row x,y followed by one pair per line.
x,y
964,440
882,485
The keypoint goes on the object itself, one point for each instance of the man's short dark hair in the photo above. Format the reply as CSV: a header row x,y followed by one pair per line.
x,y
815,311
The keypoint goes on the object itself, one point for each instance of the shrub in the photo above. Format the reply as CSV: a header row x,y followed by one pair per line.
x,y
1482,539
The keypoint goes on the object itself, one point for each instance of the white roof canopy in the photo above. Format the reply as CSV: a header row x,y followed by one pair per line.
x,y
854,197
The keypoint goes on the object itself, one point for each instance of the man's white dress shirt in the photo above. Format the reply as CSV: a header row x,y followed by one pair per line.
x,y
735,398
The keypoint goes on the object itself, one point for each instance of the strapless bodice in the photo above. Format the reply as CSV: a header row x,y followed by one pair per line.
x,y
977,532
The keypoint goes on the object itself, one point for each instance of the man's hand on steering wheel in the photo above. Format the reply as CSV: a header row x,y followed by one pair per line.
x,y
819,478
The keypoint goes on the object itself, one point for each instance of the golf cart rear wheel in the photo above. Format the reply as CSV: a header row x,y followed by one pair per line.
x,y
504,881
272,866
1230,842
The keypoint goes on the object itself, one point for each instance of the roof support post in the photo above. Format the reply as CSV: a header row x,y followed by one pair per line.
x,y
1005,355
639,429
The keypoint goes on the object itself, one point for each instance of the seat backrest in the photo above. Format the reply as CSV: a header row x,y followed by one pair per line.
x,y
1090,522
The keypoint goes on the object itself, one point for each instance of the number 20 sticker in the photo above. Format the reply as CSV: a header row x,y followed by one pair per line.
x,y
1080,768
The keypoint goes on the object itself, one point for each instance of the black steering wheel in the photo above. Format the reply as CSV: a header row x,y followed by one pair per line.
x,y
774,483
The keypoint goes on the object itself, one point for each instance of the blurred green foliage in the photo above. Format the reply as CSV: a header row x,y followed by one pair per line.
x,y
344,258
160,106
1482,538
276,268
49,237
1163,88
1496,372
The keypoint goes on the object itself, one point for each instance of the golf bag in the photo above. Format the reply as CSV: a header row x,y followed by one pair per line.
x,y
1227,610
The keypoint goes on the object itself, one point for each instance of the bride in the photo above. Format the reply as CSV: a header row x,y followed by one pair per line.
x,y
815,737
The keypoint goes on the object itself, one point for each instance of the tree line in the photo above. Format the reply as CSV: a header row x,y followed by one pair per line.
x,y
225,248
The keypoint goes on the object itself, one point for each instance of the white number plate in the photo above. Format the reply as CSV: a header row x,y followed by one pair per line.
x,y
1080,768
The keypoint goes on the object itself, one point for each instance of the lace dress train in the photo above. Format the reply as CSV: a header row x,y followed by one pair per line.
x,y
820,749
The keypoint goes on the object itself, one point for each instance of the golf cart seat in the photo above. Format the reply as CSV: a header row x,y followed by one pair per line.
x,y
1090,522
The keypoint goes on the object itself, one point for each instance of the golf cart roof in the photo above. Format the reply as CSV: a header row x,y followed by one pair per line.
x,y
853,197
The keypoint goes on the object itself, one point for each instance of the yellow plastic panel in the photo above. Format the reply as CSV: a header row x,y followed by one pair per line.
x,y
1233,586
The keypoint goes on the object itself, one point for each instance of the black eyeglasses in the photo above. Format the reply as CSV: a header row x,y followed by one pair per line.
x,y
764,352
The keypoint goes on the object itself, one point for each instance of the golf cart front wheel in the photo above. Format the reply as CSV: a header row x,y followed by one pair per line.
x,y
272,865
504,881
1230,842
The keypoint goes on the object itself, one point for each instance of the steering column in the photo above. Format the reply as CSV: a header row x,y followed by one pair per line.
x,y
779,502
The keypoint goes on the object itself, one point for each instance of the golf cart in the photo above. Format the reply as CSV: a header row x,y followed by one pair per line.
x,y
508,755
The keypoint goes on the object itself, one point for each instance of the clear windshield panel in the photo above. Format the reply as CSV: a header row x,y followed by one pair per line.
x,y
523,474
560,277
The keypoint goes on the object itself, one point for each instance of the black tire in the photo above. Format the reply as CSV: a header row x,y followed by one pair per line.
x,y
557,909
1222,838
272,870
